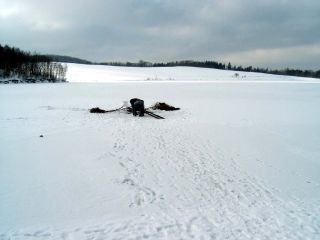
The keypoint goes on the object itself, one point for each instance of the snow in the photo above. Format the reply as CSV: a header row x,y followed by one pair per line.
x,y
240,160
100,73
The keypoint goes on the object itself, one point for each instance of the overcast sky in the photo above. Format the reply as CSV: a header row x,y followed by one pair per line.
x,y
266,33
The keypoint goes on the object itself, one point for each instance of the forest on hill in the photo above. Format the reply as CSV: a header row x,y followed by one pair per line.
x,y
20,66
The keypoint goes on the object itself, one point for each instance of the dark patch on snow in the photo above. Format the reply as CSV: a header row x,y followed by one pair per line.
x,y
164,106
97,110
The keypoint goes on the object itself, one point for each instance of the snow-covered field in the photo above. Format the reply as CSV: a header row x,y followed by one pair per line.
x,y
240,160
100,73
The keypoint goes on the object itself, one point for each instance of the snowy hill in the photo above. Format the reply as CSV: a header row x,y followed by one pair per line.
x,y
240,160
101,73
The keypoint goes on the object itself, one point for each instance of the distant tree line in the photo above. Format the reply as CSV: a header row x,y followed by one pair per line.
x,y
222,66
67,59
15,63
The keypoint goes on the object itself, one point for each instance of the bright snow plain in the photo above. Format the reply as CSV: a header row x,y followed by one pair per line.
x,y
240,160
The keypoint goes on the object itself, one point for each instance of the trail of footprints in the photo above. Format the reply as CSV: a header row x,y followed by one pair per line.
x,y
209,202
129,156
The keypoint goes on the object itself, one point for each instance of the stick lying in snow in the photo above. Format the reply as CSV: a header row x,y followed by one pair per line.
x,y
153,115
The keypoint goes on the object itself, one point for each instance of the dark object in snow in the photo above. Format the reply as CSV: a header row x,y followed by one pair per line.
x,y
164,106
41,135
126,109
137,106
97,110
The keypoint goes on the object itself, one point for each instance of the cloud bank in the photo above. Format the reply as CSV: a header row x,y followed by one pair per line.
x,y
260,33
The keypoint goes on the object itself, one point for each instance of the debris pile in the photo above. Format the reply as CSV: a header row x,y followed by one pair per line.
x,y
164,106
97,110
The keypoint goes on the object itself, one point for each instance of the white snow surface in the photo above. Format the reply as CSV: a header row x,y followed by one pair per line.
x,y
101,73
240,160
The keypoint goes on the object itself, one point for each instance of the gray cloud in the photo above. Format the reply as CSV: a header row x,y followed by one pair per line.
x,y
163,30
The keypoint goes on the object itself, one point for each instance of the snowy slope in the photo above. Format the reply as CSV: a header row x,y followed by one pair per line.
x,y
99,73
239,161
